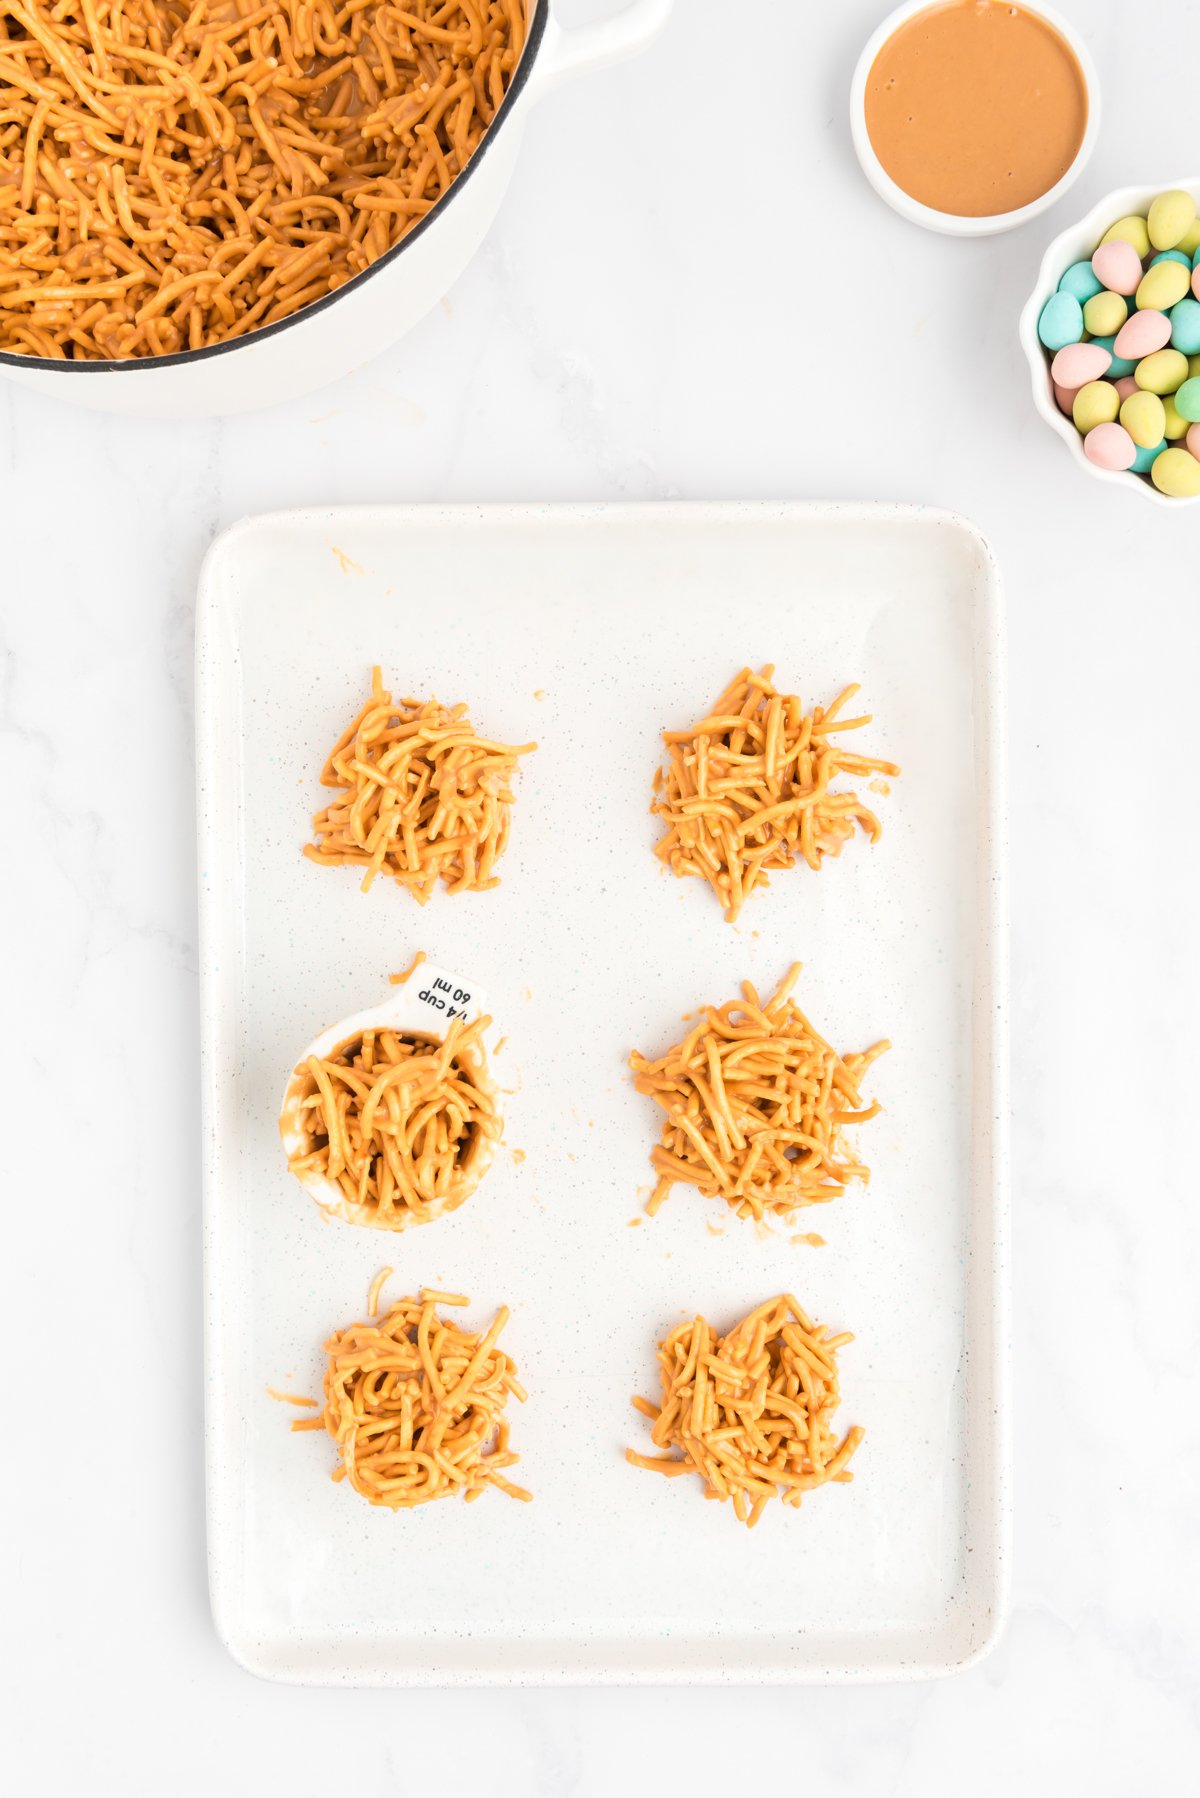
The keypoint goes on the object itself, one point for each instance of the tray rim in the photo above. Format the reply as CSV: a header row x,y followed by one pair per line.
x,y
877,1666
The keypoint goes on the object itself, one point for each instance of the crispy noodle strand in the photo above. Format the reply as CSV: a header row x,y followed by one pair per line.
x,y
751,1412
176,174
403,1126
416,1405
755,1105
420,797
748,788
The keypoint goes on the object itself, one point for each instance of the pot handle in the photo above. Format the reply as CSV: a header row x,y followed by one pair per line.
x,y
564,53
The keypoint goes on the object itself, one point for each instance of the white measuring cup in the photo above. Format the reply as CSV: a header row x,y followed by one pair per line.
x,y
423,1007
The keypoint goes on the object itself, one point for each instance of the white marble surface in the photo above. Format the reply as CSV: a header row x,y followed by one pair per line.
x,y
707,301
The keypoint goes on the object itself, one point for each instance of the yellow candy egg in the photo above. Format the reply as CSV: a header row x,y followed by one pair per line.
x,y
1097,403
1160,288
1189,243
1176,473
1144,417
1105,313
1176,425
1169,217
1194,365
1130,230
1165,370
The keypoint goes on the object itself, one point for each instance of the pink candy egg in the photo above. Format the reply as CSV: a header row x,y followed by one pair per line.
x,y
1193,441
1142,334
1118,265
1065,397
1110,446
1125,386
1082,362
1196,281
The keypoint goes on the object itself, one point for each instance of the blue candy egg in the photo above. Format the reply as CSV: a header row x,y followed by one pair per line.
x,y
1185,326
1172,256
1060,321
1120,365
1080,281
1145,457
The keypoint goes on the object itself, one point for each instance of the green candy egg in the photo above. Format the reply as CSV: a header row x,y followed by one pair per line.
x,y
1060,321
1185,326
1144,459
1171,256
1081,282
1187,400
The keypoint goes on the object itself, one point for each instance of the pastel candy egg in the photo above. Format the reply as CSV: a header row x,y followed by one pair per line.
x,y
1178,256
1193,440
1096,403
1176,474
1169,217
1189,243
1144,460
1143,416
1105,313
1117,266
1185,326
1081,281
1125,386
1161,286
1196,278
1162,372
1194,365
1111,446
1187,400
1121,365
1060,321
1130,230
1142,334
1080,362
1065,398
1176,426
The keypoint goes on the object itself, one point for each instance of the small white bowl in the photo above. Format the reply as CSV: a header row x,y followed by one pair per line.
x,y
1077,244
949,223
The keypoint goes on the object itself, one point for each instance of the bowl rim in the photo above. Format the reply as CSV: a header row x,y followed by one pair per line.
x,y
1064,249
952,224
180,358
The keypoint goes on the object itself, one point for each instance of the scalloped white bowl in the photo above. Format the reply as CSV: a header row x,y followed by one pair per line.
x,y
1076,244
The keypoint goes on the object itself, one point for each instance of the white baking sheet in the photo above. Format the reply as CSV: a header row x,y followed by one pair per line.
x,y
591,629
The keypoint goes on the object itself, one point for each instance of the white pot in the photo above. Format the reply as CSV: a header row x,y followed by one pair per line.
x,y
335,335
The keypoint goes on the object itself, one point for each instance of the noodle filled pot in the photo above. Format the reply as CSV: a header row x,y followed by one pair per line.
x,y
342,330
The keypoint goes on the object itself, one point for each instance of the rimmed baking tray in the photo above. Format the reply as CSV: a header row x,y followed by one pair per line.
x,y
591,628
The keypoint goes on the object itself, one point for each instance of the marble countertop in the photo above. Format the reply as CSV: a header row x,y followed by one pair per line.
x,y
708,302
